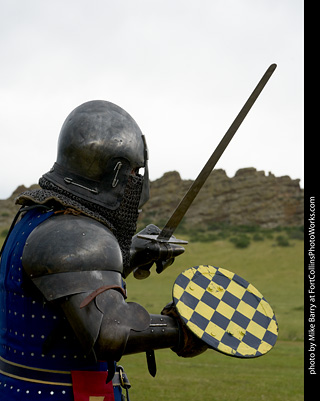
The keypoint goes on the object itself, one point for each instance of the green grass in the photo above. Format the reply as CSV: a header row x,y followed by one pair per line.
x,y
276,376
277,272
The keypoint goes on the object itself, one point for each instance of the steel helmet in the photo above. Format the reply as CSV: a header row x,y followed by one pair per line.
x,y
100,146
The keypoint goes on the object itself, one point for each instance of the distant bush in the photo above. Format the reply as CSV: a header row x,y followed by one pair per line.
x,y
258,237
241,241
295,233
204,237
247,229
282,241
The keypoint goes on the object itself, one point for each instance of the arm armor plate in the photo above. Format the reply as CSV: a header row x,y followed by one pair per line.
x,y
70,257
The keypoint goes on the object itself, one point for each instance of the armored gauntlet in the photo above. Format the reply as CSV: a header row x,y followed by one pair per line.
x,y
189,345
145,252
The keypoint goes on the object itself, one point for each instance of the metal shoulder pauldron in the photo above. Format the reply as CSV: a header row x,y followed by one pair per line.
x,y
73,245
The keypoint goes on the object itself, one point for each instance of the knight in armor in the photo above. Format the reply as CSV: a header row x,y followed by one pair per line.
x,y
64,318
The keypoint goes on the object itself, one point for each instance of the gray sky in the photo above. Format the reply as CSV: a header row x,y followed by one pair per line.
x,y
183,69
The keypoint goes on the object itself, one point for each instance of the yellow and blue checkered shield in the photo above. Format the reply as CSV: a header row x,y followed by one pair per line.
x,y
225,311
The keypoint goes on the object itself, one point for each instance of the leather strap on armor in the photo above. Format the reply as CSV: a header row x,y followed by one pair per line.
x,y
99,291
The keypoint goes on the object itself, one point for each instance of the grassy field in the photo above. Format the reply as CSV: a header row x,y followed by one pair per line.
x,y
278,273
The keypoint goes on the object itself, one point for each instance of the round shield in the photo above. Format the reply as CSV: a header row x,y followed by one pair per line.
x,y
225,311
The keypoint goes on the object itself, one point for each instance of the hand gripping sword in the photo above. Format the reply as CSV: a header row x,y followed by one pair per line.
x,y
166,233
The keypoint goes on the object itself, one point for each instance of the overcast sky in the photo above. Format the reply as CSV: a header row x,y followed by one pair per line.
x,y
183,69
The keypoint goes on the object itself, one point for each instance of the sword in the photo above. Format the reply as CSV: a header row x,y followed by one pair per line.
x,y
166,233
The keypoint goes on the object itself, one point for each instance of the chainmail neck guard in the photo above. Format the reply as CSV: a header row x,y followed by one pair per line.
x,y
122,221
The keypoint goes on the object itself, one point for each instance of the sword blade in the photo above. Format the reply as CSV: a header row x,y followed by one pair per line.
x,y
194,189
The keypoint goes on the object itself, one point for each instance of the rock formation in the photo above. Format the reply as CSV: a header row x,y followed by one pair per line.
x,y
250,198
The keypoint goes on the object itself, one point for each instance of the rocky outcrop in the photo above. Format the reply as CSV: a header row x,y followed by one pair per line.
x,y
249,198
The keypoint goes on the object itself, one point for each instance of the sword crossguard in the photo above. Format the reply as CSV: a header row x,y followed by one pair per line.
x,y
155,238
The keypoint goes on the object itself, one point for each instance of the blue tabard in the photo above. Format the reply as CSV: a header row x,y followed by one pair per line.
x,y
30,370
